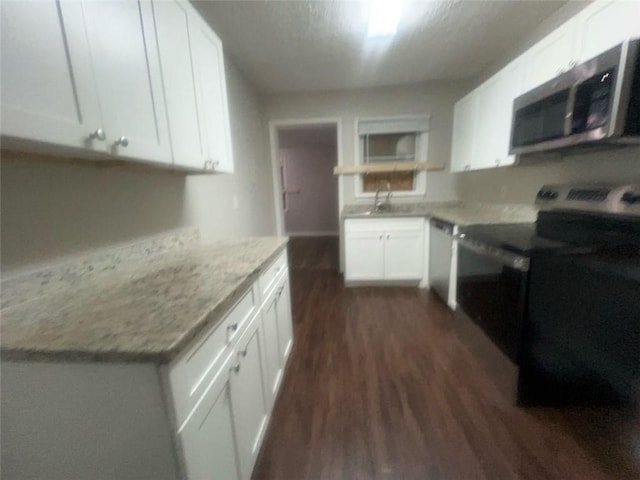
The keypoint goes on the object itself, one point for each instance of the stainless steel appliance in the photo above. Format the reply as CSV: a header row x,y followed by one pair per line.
x,y
561,298
440,251
596,103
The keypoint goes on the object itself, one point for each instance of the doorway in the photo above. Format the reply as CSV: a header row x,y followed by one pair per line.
x,y
308,197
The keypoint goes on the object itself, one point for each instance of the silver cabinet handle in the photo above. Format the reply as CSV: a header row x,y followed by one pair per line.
x,y
236,368
122,141
98,134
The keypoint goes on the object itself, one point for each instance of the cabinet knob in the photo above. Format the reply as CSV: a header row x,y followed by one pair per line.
x,y
236,368
122,142
208,165
233,327
242,353
467,167
98,134
498,161
381,236
388,236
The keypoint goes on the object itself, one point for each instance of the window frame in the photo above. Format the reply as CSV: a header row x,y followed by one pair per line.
x,y
422,151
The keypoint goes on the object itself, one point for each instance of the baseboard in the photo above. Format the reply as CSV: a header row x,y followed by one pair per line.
x,y
313,234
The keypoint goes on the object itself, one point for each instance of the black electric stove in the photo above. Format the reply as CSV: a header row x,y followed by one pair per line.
x,y
561,297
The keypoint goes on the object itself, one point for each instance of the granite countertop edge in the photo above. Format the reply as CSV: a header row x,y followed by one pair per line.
x,y
155,356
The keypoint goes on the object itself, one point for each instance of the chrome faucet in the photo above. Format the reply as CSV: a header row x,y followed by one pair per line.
x,y
378,205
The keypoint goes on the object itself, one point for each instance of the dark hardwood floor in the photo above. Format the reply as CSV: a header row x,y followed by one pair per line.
x,y
383,383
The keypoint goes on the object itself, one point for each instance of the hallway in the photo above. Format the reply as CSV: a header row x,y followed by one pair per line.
x,y
383,383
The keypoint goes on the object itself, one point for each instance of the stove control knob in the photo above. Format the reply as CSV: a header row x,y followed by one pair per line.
x,y
630,198
548,194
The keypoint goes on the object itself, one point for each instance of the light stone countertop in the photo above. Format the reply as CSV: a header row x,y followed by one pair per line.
x,y
147,312
458,213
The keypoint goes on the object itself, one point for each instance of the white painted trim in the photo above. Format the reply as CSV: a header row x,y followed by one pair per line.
x,y
273,147
329,233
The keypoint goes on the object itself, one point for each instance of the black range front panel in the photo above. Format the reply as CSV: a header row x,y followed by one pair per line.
x,y
493,294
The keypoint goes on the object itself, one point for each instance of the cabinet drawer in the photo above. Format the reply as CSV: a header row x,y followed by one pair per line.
x,y
384,224
193,371
268,277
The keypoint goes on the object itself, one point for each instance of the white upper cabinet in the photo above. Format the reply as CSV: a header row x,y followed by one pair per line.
x,y
211,91
482,119
48,92
464,130
493,117
122,38
172,25
551,56
127,78
604,24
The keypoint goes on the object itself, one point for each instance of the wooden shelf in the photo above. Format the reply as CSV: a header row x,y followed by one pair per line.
x,y
387,168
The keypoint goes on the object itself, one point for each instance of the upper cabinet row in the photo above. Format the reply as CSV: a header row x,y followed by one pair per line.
x,y
140,80
482,119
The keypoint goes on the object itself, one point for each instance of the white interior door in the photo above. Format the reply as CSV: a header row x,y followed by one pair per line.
x,y
48,88
123,46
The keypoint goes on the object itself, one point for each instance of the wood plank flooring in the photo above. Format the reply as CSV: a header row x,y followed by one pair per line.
x,y
383,383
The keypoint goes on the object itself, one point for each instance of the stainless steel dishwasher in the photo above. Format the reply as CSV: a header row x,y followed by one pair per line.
x,y
440,251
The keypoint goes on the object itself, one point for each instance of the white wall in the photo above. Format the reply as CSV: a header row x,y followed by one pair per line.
x,y
52,208
436,99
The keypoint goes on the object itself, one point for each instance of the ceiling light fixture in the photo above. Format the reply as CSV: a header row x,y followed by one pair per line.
x,y
384,16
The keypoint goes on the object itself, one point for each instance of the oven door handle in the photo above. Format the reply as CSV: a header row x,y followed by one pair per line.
x,y
509,259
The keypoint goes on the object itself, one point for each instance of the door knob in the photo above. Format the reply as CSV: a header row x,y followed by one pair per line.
x,y
98,134
122,141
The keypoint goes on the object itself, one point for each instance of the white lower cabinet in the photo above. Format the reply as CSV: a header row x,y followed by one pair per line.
x,y
285,325
222,435
207,438
388,249
248,400
278,334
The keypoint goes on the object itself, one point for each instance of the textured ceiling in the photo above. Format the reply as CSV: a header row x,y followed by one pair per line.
x,y
284,46
319,136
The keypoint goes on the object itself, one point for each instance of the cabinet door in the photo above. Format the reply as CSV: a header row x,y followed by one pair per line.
x,y
488,112
403,252
551,56
207,438
464,124
248,399
364,256
48,89
123,44
172,24
273,371
511,85
285,326
211,89
604,24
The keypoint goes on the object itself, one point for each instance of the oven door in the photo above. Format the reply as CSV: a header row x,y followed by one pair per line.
x,y
492,291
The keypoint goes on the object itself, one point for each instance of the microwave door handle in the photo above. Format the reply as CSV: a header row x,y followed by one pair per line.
x,y
508,259
568,116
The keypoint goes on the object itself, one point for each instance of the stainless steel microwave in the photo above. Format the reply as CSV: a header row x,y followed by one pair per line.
x,y
596,103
